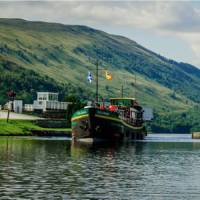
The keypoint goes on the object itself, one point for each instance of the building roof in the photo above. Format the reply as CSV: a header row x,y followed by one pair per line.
x,y
47,92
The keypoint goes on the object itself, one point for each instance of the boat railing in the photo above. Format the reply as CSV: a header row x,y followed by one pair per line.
x,y
131,121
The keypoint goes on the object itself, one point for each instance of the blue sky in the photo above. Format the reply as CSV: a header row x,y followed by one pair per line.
x,y
169,28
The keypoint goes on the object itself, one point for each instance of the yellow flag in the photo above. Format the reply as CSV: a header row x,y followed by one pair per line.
x,y
108,76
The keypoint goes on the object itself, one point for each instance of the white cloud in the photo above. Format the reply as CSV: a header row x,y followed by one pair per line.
x,y
141,14
156,15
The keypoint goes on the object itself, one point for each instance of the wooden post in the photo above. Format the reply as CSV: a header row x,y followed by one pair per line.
x,y
11,94
8,115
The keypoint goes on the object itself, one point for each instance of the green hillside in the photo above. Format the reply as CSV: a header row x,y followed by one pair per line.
x,y
38,56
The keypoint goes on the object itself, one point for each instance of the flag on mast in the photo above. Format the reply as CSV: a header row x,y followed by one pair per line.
x,y
108,76
89,77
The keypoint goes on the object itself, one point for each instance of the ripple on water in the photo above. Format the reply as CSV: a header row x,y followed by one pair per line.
x,y
56,169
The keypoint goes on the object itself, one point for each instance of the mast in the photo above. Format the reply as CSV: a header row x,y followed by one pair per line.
x,y
135,86
122,91
97,81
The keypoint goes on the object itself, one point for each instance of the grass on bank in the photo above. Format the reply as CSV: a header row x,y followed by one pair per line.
x,y
23,127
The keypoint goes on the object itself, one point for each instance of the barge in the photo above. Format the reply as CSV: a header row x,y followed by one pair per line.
x,y
121,120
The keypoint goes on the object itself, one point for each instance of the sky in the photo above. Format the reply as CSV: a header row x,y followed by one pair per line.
x,y
169,28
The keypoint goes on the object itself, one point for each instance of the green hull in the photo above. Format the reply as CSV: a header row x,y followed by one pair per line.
x,y
103,125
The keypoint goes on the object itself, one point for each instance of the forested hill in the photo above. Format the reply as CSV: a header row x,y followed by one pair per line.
x,y
39,56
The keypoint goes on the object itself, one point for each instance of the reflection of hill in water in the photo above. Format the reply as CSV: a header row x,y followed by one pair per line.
x,y
172,146
31,148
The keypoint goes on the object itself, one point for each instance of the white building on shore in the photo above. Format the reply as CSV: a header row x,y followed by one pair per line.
x,y
28,107
49,101
18,106
15,106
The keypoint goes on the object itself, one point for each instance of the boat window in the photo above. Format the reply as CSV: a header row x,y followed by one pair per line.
x,y
122,102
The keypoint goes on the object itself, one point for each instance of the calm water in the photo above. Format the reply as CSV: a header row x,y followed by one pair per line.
x,y
162,167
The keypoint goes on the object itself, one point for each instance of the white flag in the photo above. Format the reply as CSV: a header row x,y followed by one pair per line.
x,y
89,77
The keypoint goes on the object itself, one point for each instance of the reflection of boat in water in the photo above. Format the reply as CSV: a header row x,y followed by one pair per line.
x,y
80,149
123,119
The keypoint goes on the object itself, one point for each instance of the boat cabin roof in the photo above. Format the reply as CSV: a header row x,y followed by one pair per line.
x,y
124,98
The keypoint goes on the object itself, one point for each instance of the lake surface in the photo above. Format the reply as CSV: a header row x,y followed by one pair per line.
x,y
161,167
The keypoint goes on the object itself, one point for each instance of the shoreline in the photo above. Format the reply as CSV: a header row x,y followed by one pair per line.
x,y
39,134
17,127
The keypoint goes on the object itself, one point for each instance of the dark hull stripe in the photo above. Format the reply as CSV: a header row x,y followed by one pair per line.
x,y
107,118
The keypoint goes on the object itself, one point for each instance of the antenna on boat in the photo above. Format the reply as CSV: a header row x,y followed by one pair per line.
x,y
125,86
97,81
135,85
122,91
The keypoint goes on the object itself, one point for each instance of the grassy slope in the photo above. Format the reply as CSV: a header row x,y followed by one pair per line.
x,y
54,51
22,127
66,53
